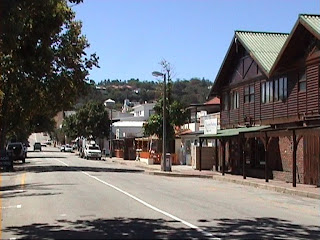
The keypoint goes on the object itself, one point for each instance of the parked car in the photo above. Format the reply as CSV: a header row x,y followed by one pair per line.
x,y
92,151
37,146
16,151
48,142
66,148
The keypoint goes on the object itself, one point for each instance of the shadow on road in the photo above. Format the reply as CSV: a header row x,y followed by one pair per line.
x,y
263,228
19,190
46,157
41,169
137,228
44,150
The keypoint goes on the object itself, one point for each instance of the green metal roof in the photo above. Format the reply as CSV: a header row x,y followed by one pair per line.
x,y
312,20
233,131
263,47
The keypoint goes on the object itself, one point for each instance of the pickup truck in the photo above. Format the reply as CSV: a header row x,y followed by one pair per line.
x,y
92,151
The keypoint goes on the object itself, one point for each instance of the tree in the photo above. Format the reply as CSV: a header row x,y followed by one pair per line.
x,y
176,115
91,120
43,63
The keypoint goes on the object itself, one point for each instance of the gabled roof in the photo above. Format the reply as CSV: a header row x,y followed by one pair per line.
x,y
309,22
214,100
263,47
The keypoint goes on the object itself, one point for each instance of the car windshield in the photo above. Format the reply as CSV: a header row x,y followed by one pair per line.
x,y
94,148
13,145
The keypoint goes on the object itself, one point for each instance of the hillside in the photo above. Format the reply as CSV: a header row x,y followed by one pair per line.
x,y
186,91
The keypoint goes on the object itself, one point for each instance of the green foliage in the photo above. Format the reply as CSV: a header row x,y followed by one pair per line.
x,y
176,116
90,120
184,91
175,113
70,126
42,61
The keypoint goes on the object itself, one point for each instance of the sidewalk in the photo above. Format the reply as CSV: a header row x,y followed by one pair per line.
x,y
302,190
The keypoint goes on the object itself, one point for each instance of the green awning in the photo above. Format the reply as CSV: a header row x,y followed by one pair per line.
x,y
233,132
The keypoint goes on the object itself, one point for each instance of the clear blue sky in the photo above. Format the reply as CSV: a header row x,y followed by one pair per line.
x,y
131,37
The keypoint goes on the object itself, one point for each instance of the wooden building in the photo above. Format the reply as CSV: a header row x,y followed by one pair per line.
x,y
268,85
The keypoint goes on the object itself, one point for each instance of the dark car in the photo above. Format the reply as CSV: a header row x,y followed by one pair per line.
x,y
37,146
16,151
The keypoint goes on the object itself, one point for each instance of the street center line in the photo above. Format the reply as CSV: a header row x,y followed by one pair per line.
x,y
23,180
207,234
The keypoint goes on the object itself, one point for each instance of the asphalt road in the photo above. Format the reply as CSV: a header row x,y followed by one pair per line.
x,y
58,195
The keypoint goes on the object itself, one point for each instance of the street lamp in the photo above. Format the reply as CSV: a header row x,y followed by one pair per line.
x,y
109,104
164,147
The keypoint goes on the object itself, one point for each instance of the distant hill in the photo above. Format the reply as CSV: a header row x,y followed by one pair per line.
x,y
190,91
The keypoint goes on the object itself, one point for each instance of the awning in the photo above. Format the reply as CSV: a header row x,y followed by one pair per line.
x,y
234,132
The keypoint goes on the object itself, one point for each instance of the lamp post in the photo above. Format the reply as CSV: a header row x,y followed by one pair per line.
x,y
109,104
164,143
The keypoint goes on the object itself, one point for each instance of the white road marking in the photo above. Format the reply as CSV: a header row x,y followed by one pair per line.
x,y
62,162
16,206
207,234
15,191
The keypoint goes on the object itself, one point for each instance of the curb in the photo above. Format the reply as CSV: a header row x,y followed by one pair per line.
x,y
270,187
241,182
171,174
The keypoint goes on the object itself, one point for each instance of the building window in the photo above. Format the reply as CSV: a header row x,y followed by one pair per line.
x,y
235,100
226,102
267,92
283,88
249,94
274,90
302,82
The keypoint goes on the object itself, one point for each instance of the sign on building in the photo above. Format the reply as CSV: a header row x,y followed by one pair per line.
x,y
210,126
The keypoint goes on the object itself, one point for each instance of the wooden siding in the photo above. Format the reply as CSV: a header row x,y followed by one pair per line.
x,y
312,103
311,159
297,105
234,116
293,97
224,118
257,100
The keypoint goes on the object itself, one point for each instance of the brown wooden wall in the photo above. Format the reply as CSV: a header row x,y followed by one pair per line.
x,y
297,104
311,159
312,74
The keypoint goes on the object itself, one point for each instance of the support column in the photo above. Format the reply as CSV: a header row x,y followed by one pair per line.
x,y
243,153
266,158
223,156
216,154
294,159
200,153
